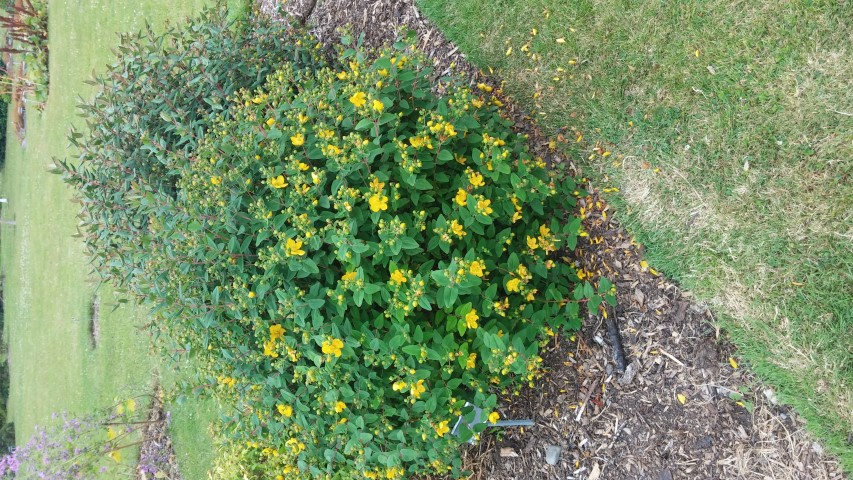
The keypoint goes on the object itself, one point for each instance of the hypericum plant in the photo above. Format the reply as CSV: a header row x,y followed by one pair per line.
x,y
354,256
361,258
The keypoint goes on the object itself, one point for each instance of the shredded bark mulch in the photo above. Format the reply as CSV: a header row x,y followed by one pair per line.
x,y
683,408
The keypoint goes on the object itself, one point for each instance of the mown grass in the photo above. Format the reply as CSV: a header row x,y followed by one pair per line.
x,y
48,288
729,127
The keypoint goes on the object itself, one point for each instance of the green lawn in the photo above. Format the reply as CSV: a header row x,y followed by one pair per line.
x,y
48,285
730,132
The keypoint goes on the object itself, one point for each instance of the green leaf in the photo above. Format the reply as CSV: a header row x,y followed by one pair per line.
x,y
386,117
440,278
413,350
512,263
408,454
364,124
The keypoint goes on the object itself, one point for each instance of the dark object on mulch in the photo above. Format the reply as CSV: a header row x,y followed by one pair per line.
x,y
616,345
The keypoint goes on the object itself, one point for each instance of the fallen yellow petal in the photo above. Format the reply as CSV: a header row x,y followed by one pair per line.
x,y
561,40
733,363
681,398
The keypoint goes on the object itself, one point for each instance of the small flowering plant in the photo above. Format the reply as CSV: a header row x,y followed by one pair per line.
x,y
367,258
78,447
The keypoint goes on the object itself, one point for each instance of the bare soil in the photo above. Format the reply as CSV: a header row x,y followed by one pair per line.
x,y
683,408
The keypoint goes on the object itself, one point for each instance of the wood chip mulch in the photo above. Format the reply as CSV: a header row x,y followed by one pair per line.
x,y
683,408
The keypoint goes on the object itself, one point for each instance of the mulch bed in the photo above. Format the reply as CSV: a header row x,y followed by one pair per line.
x,y
681,410
156,455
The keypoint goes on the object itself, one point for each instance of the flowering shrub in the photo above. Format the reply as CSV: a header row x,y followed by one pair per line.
x,y
351,256
366,257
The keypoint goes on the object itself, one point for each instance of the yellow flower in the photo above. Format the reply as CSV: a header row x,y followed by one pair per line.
x,y
483,206
285,410
378,106
472,361
418,389
484,88
297,140
111,433
270,122
532,243
252,295
471,318
342,75
513,285
383,72
116,455
441,429
276,331
476,268
333,347
376,185
269,349
333,150
293,247
278,182
461,197
494,417
340,407
348,277
476,179
358,99
131,405
216,180
398,277
477,102
543,230
303,166
398,385
302,118
378,202
457,229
